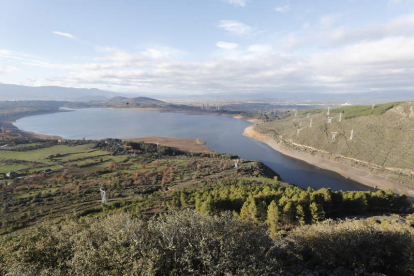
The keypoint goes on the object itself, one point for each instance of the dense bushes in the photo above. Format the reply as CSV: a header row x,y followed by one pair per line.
x,y
385,247
184,243
188,243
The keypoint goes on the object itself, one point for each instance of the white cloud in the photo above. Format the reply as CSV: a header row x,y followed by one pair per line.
x,y
260,48
283,9
306,26
368,58
240,3
329,19
403,25
227,45
68,35
5,69
235,27
291,42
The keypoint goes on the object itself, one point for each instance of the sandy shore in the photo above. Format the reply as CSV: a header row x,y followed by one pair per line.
x,y
192,145
360,175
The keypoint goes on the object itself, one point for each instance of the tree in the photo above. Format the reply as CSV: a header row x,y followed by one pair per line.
x,y
248,211
207,207
273,217
317,212
289,213
300,215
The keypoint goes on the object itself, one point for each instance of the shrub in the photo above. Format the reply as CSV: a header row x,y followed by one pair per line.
x,y
385,248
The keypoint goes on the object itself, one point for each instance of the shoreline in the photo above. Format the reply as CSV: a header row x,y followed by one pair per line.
x,y
188,112
8,125
364,177
186,144
357,174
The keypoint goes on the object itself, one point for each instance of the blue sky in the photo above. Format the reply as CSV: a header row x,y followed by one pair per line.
x,y
209,46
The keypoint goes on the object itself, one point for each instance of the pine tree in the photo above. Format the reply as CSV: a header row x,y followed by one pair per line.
x,y
273,217
248,211
317,212
300,215
289,213
207,207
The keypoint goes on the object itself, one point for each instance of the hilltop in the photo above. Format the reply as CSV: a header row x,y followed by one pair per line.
x,y
381,136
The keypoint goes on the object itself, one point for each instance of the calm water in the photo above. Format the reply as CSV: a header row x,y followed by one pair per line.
x,y
223,134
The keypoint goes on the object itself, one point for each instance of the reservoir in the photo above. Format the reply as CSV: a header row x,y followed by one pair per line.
x,y
222,134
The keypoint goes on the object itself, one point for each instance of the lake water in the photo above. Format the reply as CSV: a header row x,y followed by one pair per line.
x,y
222,134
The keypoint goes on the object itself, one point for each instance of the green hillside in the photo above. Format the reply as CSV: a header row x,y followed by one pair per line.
x,y
171,212
381,135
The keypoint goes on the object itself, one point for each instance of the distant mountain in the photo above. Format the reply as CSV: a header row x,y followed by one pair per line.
x,y
128,102
55,93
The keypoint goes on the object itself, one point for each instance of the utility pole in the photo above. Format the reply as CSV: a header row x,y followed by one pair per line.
x,y
298,131
329,109
296,113
330,120
334,133
352,135
310,123
158,144
340,117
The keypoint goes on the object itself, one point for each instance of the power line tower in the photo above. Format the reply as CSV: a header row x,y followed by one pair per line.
x,y
334,133
103,196
340,117
310,123
352,135
330,120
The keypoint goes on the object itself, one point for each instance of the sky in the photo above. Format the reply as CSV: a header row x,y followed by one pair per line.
x,y
214,47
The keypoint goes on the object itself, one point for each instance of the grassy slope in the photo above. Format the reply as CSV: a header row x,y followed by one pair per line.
x,y
382,136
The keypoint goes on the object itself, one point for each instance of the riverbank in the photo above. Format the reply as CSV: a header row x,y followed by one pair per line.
x,y
363,176
186,144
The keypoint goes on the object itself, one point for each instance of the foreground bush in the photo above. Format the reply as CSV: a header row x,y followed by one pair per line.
x,y
184,243
189,243
386,248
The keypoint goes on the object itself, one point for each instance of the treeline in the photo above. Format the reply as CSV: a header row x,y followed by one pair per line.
x,y
360,111
350,112
164,150
282,206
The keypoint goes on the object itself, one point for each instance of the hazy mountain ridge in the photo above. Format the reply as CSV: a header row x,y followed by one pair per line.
x,y
56,93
